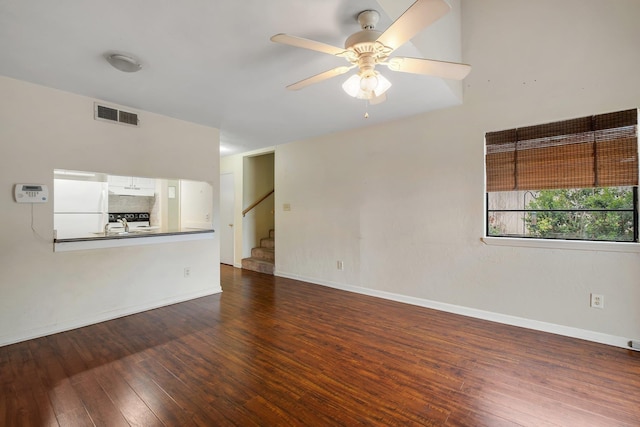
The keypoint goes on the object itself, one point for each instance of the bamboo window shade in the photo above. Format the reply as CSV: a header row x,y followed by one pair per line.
x,y
593,151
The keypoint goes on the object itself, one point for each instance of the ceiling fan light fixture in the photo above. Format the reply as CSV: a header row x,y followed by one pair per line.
x,y
368,86
352,85
382,86
369,82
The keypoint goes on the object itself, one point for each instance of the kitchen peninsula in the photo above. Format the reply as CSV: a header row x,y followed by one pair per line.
x,y
132,238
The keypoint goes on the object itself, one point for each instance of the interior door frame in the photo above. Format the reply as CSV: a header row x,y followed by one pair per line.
x,y
227,223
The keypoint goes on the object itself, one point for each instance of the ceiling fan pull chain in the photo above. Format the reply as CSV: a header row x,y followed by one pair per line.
x,y
366,108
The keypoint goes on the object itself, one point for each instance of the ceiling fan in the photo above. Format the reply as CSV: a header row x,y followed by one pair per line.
x,y
369,47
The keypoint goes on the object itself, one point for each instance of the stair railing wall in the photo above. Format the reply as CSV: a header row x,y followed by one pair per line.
x,y
257,202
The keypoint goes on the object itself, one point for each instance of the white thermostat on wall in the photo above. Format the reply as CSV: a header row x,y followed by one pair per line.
x,y
31,193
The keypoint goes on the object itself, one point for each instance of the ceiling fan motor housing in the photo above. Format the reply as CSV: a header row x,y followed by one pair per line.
x,y
368,19
363,49
361,39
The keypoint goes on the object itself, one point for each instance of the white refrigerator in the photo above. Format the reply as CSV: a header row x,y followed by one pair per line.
x,y
80,208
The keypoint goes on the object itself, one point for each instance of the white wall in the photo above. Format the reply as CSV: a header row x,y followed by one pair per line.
x,y
402,205
196,204
44,292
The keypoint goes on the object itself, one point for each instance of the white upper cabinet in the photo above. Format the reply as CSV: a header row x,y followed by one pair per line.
x,y
131,185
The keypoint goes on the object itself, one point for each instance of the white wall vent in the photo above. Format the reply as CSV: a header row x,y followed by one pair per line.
x,y
110,114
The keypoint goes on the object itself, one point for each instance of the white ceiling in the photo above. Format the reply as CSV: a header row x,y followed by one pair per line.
x,y
211,61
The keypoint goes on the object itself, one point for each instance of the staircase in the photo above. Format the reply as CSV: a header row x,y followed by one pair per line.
x,y
263,257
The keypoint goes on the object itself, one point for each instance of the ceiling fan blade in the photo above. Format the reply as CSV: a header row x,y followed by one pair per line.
x,y
319,77
419,15
430,67
307,44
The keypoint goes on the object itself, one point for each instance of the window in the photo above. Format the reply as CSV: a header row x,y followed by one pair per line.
x,y
575,179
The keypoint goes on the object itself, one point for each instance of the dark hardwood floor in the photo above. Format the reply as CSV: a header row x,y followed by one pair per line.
x,y
277,352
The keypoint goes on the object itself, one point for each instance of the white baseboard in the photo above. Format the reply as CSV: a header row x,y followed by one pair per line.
x,y
522,322
102,317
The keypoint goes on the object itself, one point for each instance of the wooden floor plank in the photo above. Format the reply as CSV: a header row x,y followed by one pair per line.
x,y
162,405
188,396
132,407
101,408
275,351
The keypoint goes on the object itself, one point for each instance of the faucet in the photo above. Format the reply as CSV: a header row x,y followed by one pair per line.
x,y
124,222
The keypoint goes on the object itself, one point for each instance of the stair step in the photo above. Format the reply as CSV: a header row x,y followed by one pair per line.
x,y
267,254
259,265
268,242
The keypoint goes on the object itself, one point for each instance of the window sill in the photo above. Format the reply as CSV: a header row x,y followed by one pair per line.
x,y
563,244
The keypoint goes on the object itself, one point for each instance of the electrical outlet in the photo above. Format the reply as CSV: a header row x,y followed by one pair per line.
x,y
340,265
187,272
597,301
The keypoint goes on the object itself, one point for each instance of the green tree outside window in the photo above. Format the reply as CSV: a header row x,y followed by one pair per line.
x,y
593,225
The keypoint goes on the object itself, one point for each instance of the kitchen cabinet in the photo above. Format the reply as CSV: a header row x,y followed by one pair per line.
x,y
131,185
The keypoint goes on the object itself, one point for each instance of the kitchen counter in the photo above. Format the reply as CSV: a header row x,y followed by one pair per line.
x,y
134,237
